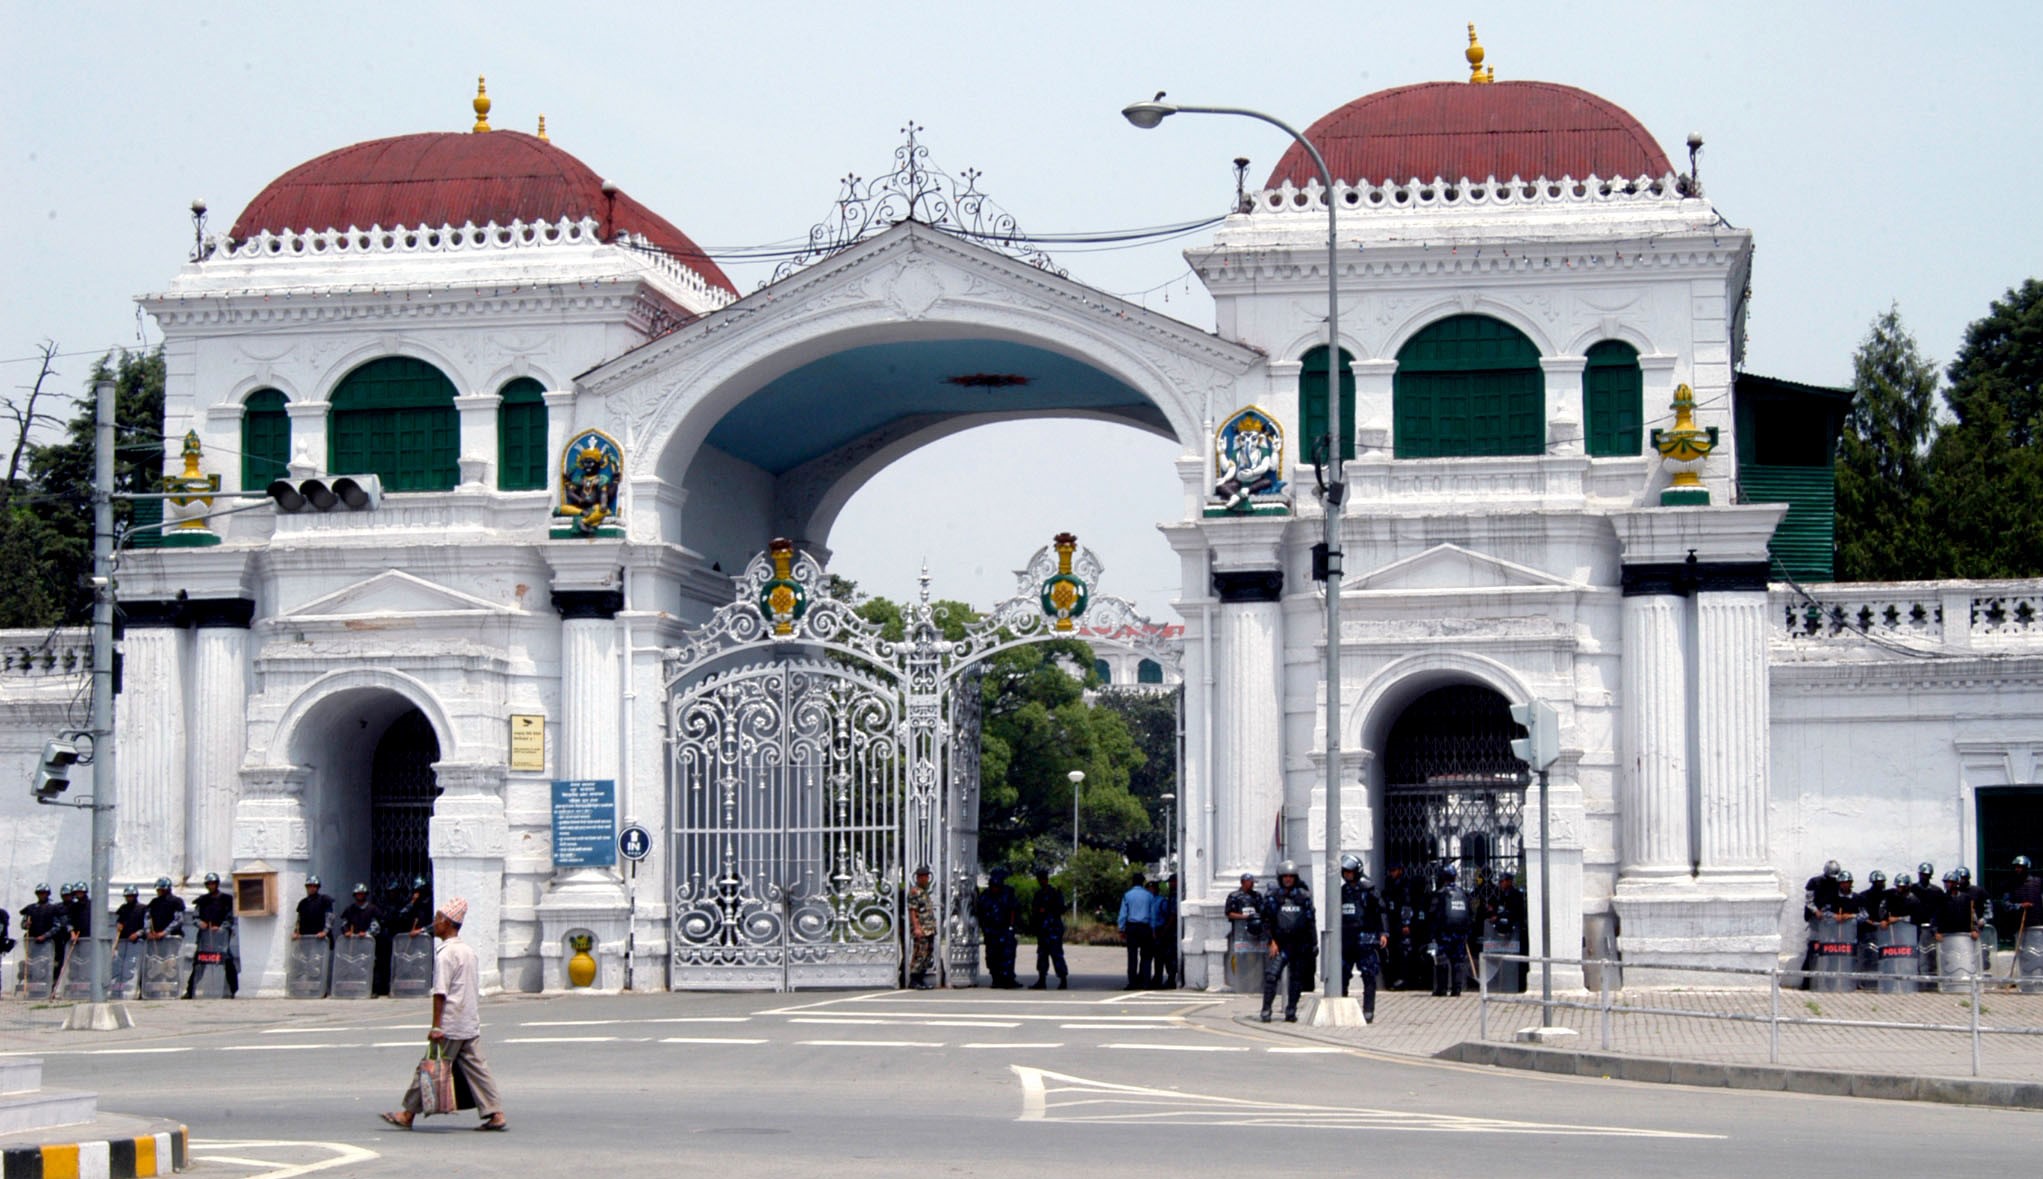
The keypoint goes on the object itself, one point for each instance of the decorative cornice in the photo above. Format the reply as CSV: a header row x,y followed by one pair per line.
x,y
1413,195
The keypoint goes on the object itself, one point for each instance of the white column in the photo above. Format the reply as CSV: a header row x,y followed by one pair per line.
x,y
478,449
1731,714
560,409
1375,404
1565,412
219,698
1250,788
270,826
1653,800
468,839
589,693
149,814
308,439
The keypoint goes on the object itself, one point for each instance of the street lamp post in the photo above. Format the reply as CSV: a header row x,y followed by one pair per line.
x,y
1147,115
1077,780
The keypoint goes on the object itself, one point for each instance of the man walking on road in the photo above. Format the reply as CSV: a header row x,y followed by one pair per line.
x,y
457,1022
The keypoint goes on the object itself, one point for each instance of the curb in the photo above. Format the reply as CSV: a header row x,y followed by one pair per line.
x,y
1766,1077
132,1157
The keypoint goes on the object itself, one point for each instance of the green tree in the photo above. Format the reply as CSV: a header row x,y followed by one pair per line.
x,y
1986,467
1883,459
46,522
1152,721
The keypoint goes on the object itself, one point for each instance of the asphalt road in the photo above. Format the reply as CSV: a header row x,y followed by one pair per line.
x,y
1085,1082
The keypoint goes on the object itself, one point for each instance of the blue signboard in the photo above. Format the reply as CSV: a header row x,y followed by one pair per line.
x,y
585,823
634,843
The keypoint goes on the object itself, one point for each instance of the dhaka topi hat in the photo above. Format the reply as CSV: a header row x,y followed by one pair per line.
x,y
455,910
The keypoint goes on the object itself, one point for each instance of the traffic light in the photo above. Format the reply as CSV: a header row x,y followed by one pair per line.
x,y
53,776
352,493
1540,747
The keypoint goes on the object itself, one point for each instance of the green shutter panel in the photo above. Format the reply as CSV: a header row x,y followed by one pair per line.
x,y
265,440
1468,385
1612,393
521,436
1312,403
395,418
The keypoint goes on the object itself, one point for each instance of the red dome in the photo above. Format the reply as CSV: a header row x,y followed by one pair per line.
x,y
1457,130
450,178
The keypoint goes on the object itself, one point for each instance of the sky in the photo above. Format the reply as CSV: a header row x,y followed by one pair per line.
x,y
1866,146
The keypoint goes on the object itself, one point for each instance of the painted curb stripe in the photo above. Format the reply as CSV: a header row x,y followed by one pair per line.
x,y
120,1158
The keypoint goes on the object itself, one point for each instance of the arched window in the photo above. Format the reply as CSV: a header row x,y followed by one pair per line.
x,y
395,418
265,440
521,436
1469,385
1105,673
1149,671
1312,403
1612,391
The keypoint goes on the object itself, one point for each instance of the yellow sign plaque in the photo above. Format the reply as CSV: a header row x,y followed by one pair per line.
x,y
528,742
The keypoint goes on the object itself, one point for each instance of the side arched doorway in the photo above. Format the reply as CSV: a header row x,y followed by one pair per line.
x,y
402,787
1453,793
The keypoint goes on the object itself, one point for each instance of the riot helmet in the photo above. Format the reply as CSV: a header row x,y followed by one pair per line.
x,y
1350,864
1449,871
212,878
42,889
1963,874
312,882
1248,877
418,883
162,883
361,890
131,891
2022,863
1832,868
1926,871
1287,868
1876,877
1844,878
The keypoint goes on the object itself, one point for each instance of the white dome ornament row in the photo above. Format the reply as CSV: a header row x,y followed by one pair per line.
x,y
467,238
1440,192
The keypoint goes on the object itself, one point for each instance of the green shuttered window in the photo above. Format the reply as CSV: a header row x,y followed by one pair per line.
x,y
1312,402
1468,385
265,440
521,436
395,418
1612,392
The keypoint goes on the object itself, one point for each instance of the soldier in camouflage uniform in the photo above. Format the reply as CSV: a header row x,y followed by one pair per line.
x,y
921,927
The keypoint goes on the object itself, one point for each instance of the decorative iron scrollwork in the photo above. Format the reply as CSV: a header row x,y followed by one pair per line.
x,y
916,190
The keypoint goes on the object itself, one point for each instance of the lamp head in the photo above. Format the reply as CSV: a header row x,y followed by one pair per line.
x,y
1148,114
1076,776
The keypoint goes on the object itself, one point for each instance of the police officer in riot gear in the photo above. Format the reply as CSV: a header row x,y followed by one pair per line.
x,y
215,911
2019,904
1402,909
166,912
1294,937
994,909
132,917
1364,933
315,912
44,922
362,918
1451,917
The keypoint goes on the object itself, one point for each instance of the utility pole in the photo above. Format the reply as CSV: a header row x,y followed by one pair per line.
x,y
99,1016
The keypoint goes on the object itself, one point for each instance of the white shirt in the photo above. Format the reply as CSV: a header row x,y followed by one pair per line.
x,y
455,977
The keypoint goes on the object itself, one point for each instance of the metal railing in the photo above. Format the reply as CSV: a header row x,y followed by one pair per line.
x,y
1606,1002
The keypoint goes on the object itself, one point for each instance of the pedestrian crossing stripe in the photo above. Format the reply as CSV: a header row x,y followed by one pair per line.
x,y
1060,1097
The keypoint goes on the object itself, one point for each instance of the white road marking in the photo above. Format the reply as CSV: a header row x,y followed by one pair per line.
x,y
396,1044
871,1043
134,1051
1316,1051
1058,1097
282,1047
1018,1044
560,1040
321,1031
1178,1047
709,1040
336,1154
1121,1027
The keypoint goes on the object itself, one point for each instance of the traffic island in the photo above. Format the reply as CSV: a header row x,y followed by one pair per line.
x,y
61,1134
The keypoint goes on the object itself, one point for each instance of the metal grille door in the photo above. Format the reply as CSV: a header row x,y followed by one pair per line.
x,y
402,788
788,856
1453,791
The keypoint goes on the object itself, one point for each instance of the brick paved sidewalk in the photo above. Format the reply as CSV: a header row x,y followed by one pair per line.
x,y
1413,1023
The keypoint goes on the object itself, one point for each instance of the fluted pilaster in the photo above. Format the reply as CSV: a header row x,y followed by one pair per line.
x,y
1655,782
589,696
149,794
1731,716
1251,783
218,723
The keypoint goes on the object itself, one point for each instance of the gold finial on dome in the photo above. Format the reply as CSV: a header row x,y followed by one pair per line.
x,y
542,130
1477,75
481,105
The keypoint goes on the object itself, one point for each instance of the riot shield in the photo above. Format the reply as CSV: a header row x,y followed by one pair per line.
x,y
1246,955
354,968
1957,962
2029,962
1507,977
306,976
76,984
161,978
1836,951
411,965
1896,959
127,970
39,970
209,965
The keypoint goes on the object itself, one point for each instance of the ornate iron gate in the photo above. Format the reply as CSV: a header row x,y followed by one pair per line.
x,y
788,792
816,762
1453,791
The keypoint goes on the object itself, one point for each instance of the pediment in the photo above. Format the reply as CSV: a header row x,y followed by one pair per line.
x,y
395,593
1451,567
